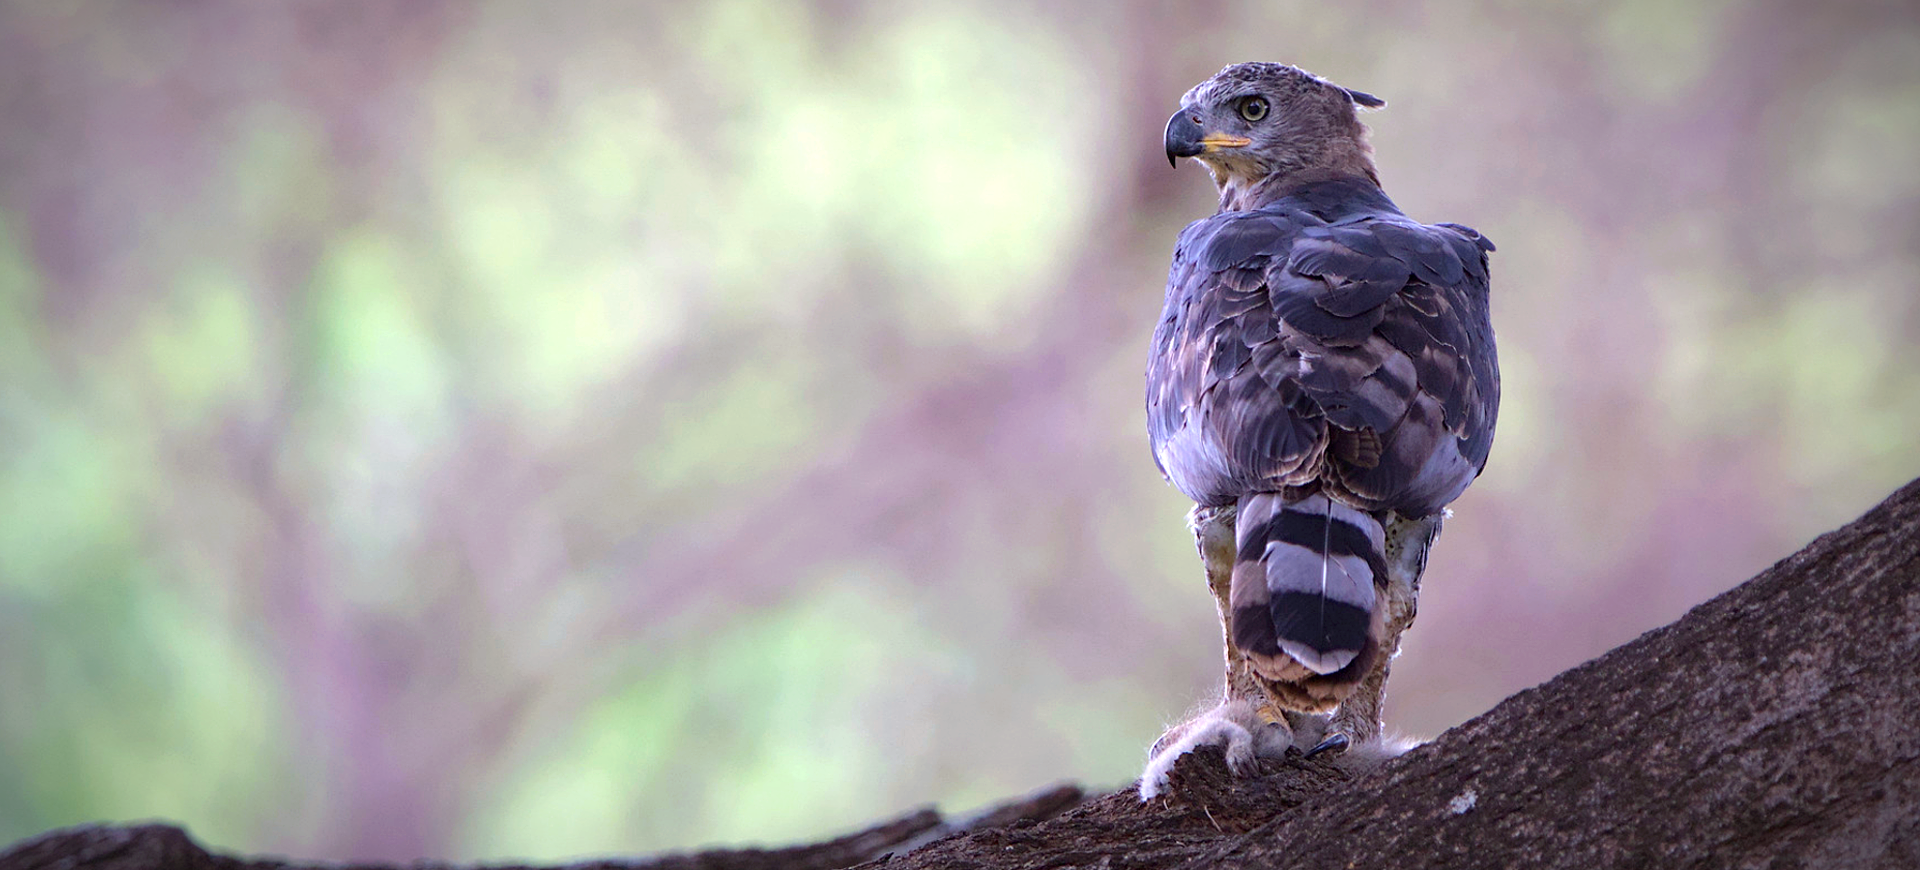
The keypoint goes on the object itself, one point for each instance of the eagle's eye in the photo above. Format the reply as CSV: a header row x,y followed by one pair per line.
x,y
1253,108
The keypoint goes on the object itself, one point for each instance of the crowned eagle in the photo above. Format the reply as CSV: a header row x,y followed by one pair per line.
x,y
1322,383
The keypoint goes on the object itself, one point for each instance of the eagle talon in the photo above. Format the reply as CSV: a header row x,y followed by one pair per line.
x,y
1335,743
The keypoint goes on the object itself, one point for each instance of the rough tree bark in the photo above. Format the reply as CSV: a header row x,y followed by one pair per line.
x,y
1777,725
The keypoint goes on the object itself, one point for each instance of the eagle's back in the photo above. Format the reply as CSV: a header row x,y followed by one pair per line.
x,y
1325,339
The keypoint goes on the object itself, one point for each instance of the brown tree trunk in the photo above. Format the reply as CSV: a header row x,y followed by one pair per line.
x,y
1777,725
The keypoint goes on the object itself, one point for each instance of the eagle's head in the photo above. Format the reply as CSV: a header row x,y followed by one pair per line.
x,y
1253,122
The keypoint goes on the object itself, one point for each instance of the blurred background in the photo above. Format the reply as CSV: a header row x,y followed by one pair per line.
x,y
486,430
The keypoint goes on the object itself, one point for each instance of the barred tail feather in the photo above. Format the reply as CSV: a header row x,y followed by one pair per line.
x,y
1304,602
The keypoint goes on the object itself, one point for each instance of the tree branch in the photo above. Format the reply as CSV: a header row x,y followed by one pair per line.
x,y
1775,725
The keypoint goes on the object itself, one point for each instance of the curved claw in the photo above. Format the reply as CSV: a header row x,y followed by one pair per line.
x,y
1335,742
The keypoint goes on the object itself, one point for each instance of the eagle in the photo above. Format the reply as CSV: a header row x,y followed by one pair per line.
x,y
1322,383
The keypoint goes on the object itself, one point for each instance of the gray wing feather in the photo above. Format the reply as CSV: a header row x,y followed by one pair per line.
x,y
1346,345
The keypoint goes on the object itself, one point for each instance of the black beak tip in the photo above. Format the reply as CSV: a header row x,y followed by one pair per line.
x,y
1183,136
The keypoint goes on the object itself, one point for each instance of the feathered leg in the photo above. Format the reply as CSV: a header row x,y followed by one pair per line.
x,y
1247,722
1213,534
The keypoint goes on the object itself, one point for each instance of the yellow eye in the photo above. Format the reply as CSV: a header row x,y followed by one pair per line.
x,y
1253,108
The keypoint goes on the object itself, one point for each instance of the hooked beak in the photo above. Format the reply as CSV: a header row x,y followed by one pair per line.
x,y
1187,138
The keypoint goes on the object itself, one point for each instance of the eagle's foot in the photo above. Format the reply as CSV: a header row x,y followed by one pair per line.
x,y
1234,726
